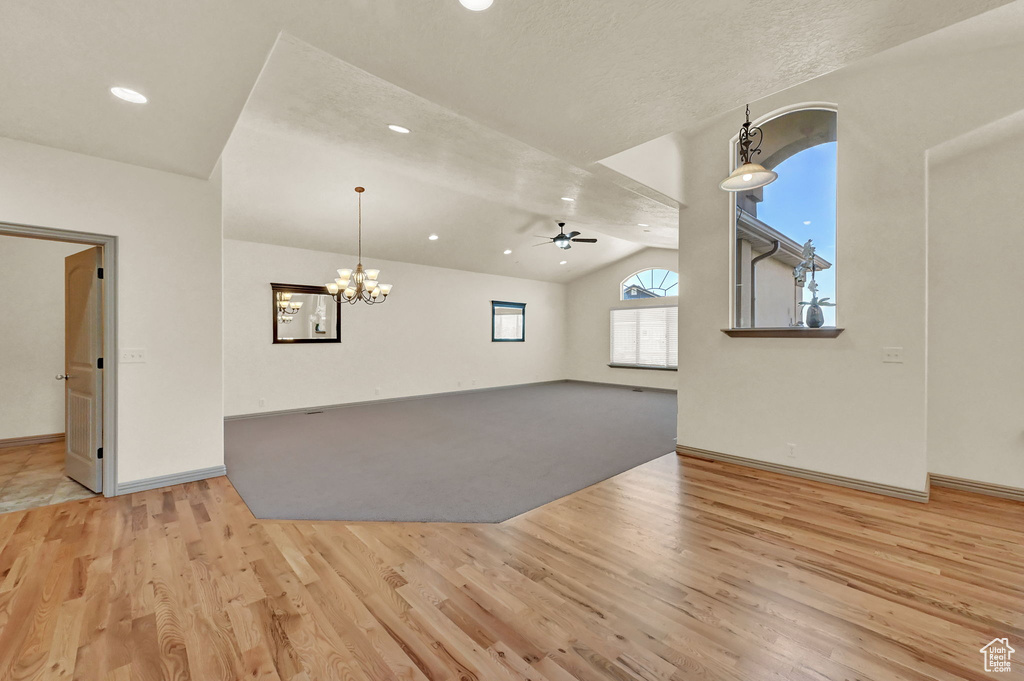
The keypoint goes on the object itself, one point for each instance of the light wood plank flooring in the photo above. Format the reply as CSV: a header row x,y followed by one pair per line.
x,y
33,475
680,569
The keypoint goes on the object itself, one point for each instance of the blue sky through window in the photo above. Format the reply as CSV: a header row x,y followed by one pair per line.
x,y
658,282
802,205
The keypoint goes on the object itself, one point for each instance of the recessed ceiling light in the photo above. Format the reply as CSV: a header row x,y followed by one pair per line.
x,y
566,198
398,128
642,224
476,5
563,262
508,251
129,95
433,237
807,222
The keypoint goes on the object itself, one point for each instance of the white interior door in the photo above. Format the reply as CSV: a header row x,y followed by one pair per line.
x,y
83,347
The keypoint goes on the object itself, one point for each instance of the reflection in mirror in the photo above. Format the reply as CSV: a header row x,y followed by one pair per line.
x,y
508,321
305,314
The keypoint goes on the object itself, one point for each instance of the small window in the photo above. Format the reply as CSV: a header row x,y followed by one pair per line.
x,y
508,321
654,283
645,337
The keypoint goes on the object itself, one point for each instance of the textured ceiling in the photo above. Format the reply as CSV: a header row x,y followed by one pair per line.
x,y
315,127
577,78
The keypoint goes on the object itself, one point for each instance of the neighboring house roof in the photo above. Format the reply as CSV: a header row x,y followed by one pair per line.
x,y
637,291
761,235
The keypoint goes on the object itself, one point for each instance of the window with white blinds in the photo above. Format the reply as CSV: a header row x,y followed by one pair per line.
x,y
645,337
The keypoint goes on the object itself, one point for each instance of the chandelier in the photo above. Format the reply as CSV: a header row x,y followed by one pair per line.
x,y
286,307
359,284
749,175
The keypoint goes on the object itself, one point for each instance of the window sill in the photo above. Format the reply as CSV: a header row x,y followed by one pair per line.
x,y
785,332
635,366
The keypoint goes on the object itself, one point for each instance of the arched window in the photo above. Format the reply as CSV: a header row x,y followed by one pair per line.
x,y
652,283
775,281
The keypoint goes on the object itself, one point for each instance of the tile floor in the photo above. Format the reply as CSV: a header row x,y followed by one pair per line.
x,y
33,476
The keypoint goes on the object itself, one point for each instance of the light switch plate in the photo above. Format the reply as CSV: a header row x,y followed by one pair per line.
x,y
133,356
892,355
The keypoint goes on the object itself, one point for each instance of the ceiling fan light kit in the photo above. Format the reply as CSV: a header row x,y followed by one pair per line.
x,y
565,241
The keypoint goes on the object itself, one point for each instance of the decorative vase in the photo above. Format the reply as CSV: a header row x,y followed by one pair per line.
x,y
815,317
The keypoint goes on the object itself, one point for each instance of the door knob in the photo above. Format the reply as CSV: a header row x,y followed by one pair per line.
x,y
62,377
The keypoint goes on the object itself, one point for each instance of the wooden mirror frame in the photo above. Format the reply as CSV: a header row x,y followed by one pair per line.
x,y
302,288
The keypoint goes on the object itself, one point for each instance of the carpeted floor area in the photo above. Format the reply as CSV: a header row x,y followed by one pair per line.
x,y
473,457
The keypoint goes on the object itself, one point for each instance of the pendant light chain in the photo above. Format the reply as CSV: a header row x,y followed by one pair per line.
x,y
749,175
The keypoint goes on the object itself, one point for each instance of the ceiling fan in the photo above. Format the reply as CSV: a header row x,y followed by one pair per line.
x,y
565,241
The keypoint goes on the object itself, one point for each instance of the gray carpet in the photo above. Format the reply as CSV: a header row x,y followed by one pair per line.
x,y
476,457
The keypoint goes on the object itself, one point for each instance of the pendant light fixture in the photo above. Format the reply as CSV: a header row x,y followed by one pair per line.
x,y
352,286
749,175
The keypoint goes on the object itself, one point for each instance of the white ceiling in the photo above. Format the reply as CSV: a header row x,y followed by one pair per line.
x,y
315,127
510,108
577,78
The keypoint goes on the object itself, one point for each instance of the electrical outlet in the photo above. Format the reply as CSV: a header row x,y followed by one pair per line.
x,y
133,356
892,355
263,403
474,381
376,391
792,450
458,384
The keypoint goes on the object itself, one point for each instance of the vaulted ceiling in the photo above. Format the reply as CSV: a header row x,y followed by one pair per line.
x,y
511,107
577,78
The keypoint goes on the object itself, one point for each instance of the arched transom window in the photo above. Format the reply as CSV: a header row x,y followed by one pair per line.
x,y
652,283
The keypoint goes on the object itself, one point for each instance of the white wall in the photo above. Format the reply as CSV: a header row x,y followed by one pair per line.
x,y
32,336
975,315
847,412
432,335
169,250
590,300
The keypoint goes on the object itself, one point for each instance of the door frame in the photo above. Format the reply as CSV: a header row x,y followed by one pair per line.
x,y
110,356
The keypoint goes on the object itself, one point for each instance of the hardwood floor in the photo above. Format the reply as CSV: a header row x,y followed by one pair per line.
x,y
680,569
33,475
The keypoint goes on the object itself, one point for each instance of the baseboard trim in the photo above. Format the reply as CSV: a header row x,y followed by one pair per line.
x,y
30,440
644,388
168,480
828,478
386,400
990,489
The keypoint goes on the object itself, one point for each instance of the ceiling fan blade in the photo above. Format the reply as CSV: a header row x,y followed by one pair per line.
x,y
572,234
585,241
543,244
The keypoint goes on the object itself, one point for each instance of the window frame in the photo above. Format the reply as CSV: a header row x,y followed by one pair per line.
x,y
731,329
637,308
503,303
622,284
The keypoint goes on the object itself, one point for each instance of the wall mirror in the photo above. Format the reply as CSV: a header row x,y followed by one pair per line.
x,y
508,321
305,314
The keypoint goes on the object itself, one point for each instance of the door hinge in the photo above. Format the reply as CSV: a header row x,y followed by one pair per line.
x,y
99,363
99,453
99,272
